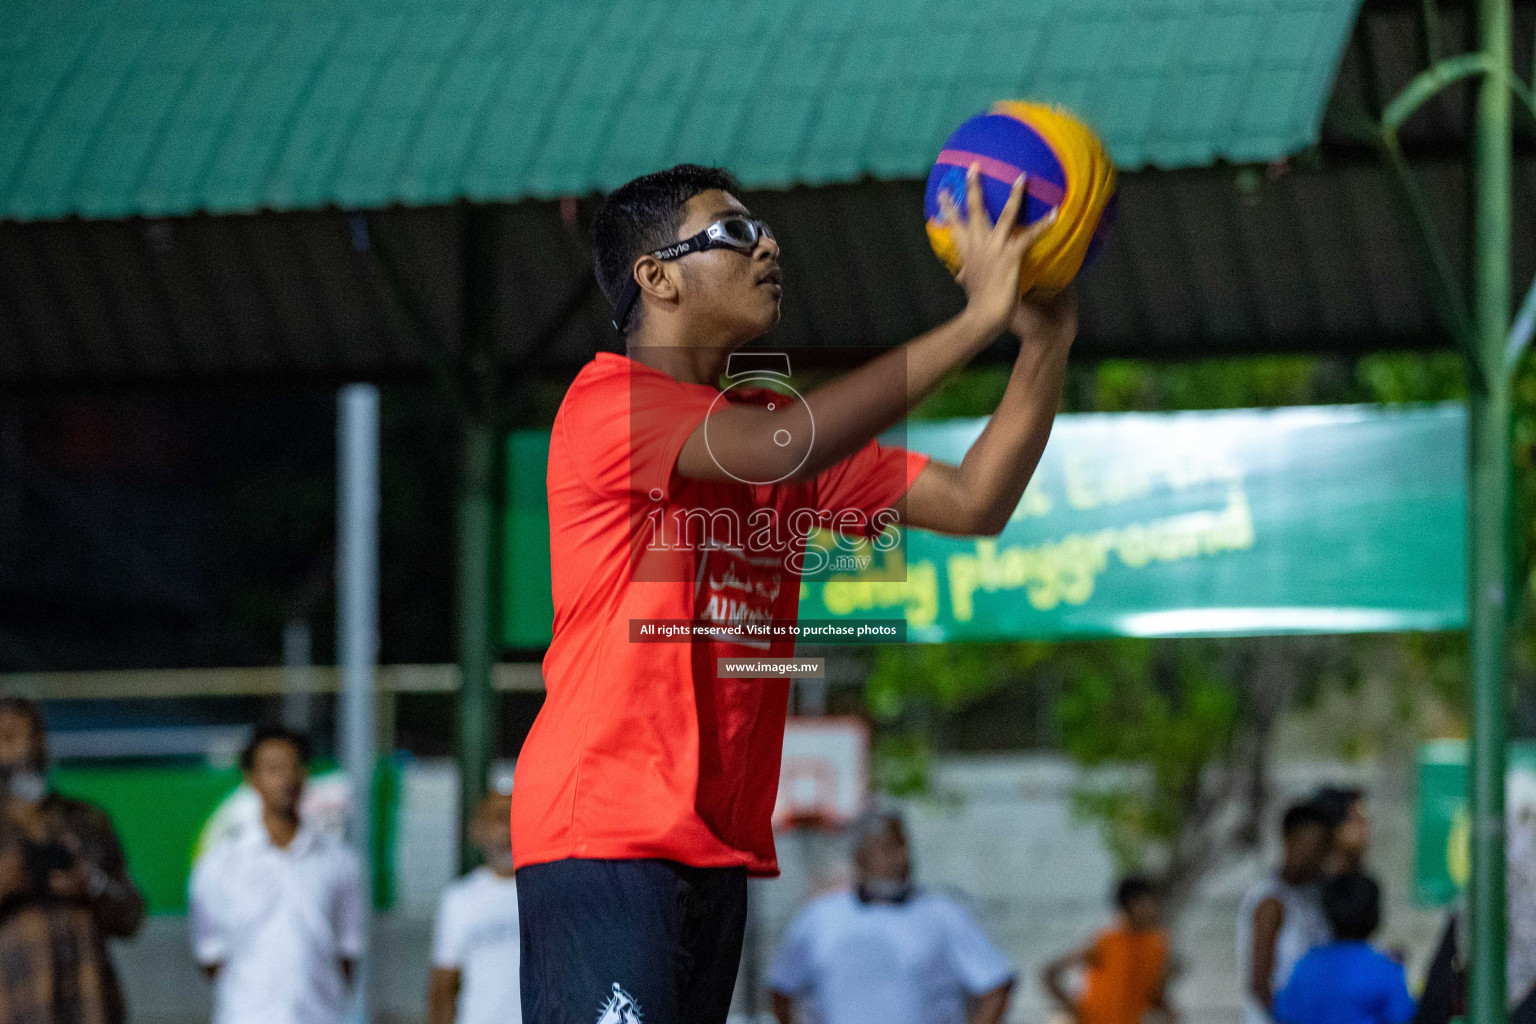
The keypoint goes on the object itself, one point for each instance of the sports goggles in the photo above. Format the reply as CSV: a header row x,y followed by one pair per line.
x,y
739,233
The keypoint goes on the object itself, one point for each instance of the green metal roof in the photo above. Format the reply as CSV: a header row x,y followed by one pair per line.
x,y
162,107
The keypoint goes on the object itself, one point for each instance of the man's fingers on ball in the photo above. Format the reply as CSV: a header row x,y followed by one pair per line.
x,y
976,204
1032,233
949,215
1010,214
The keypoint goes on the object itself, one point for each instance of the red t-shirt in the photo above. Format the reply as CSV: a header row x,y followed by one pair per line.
x,y
640,750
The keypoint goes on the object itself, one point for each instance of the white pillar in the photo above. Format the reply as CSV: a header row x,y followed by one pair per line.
x,y
357,627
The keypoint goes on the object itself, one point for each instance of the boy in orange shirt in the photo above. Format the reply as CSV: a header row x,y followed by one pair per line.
x,y
1126,966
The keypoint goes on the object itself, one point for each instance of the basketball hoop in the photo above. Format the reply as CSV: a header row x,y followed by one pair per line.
x,y
824,775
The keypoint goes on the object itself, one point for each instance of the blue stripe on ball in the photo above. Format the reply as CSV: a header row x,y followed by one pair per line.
x,y
1105,227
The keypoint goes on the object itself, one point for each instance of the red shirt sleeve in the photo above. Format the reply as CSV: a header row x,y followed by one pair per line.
x,y
872,479
626,424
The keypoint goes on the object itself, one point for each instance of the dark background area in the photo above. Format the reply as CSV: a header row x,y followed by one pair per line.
x,y
182,531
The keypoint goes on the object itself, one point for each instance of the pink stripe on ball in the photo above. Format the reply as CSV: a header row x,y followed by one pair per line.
x,y
1046,191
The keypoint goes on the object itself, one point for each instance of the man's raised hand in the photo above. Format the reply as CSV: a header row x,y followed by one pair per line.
x,y
1046,319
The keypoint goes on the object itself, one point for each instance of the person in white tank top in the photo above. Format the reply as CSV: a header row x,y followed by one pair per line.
x,y
1281,916
476,940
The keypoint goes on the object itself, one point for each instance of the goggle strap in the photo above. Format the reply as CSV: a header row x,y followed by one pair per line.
x,y
626,301
699,242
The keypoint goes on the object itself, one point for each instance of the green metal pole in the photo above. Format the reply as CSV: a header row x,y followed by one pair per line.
x,y
478,463
1489,510
477,701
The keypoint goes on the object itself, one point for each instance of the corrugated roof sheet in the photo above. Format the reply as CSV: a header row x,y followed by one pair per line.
x,y
163,107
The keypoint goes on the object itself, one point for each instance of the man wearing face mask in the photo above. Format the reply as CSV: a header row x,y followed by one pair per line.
x,y
888,951
64,889
475,944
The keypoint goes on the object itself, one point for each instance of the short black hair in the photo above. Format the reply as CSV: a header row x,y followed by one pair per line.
x,y
27,708
643,215
1303,815
1352,904
277,733
1133,887
1335,802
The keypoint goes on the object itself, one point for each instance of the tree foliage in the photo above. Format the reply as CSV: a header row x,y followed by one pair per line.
x,y
1163,707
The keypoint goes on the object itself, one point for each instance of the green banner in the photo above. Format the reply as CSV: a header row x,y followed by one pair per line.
x,y
1304,520
1327,519
527,610
1442,860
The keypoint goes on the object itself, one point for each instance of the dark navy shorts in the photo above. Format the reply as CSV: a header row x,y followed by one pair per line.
x,y
629,941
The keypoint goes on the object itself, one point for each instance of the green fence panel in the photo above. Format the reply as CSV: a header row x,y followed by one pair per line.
x,y
158,812
527,612
1442,860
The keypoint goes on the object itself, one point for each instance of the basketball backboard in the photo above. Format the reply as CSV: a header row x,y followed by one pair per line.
x,y
824,777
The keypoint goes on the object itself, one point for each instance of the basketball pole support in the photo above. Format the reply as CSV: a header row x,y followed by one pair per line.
x,y
477,700
1492,362
1493,349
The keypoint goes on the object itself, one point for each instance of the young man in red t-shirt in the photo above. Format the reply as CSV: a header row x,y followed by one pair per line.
x,y
645,791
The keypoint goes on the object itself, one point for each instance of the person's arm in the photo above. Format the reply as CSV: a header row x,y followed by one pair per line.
x,y
1053,977
13,871
853,409
984,972
979,495
448,956
209,945
989,1007
1160,1000
99,876
1268,918
351,936
792,970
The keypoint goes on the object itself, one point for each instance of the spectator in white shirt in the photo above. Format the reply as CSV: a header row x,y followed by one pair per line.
x,y
277,911
888,951
476,947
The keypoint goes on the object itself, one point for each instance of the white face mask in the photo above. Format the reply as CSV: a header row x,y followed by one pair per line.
x,y
28,786
886,890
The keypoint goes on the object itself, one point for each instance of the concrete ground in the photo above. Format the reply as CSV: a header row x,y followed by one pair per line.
x,y
164,986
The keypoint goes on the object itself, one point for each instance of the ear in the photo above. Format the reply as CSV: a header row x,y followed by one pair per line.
x,y
652,276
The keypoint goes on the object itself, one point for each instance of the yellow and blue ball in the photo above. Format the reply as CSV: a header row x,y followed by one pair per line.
x,y
1068,168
